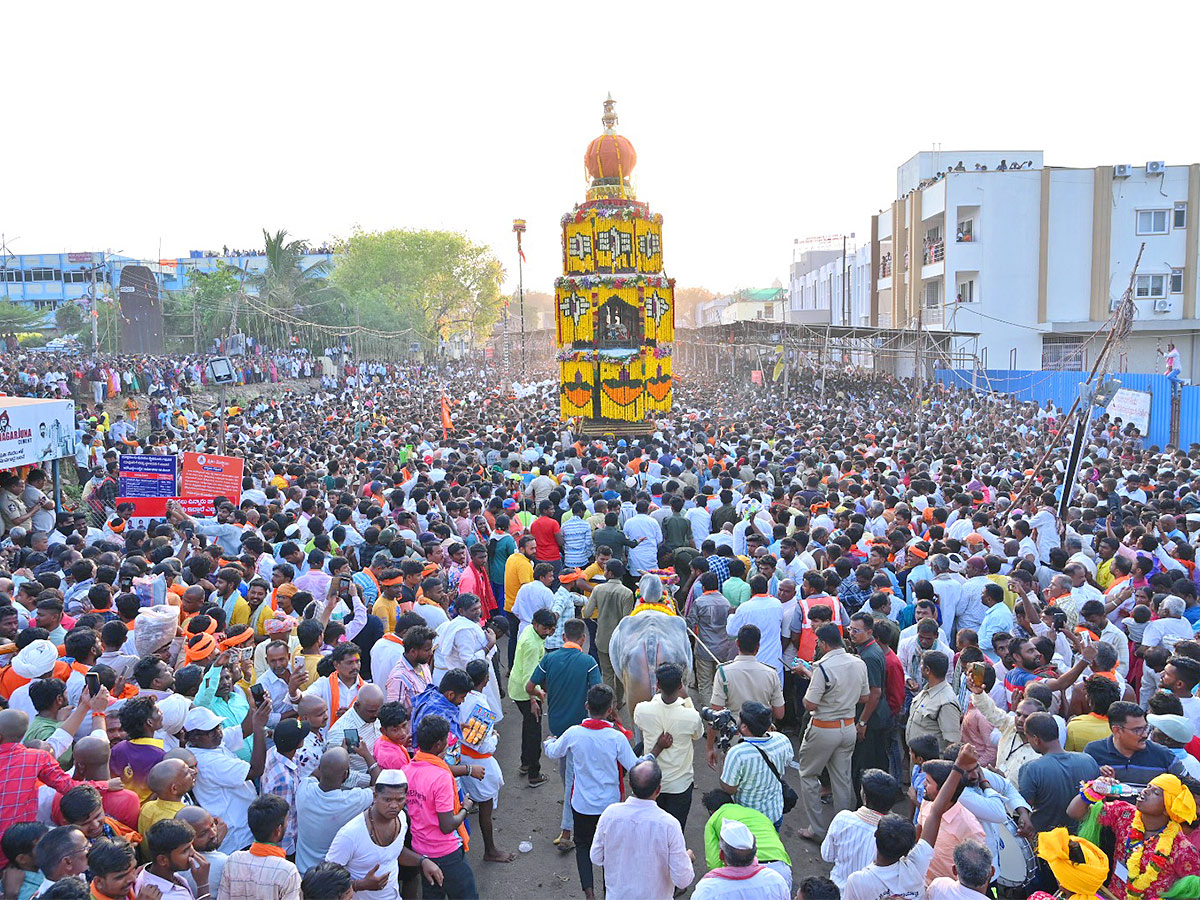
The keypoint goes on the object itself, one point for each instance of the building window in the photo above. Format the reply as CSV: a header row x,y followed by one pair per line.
x,y
966,291
43,275
966,231
1180,216
1151,221
1177,281
1151,287
77,276
1063,354
933,294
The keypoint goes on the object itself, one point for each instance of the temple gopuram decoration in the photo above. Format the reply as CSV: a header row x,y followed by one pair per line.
x,y
615,307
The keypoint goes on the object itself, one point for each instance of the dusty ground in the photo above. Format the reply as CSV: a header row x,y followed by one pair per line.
x,y
534,815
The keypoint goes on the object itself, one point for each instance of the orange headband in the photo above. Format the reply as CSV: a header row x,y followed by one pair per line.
x,y
918,552
202,649
237,639
388,582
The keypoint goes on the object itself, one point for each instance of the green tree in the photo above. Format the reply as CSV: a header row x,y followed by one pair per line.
x,y
69,319
203,310
16,318
438,283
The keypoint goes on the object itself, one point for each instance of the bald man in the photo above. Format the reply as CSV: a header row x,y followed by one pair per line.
x,y
24,767
363,717
324,804
169,780
210,832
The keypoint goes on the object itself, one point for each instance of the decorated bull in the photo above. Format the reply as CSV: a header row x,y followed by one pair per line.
x,y
645,639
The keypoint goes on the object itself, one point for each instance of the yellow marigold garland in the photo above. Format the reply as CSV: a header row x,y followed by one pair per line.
x,y
1141,880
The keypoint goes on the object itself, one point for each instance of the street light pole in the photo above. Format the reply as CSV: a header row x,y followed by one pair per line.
x,y
519,229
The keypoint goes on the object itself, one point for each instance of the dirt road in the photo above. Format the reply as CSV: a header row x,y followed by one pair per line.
x,y
534,814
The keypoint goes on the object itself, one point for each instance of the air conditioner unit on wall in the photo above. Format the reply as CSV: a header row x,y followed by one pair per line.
x,y
1155,168
1162,305
1121,170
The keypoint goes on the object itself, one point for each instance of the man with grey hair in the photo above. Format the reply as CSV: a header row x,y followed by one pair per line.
x,y
948,589
973,871
1169,628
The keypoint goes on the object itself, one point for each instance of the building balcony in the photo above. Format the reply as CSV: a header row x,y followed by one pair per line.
x,y
935,252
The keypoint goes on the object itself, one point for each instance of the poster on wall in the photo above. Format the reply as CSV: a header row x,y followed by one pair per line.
x,y
147,475
207,475
1131,407
33,432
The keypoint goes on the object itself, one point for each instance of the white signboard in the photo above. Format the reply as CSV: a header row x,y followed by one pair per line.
x,y
33,432
1132,407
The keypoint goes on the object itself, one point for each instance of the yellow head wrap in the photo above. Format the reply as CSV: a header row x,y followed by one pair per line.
x,y
1180,804
1084,879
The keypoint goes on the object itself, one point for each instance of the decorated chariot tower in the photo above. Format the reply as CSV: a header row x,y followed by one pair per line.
x,y
615,307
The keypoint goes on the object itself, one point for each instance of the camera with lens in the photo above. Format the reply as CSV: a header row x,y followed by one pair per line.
x,y
721,721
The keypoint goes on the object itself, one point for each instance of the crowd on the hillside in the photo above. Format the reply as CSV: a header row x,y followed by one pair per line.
x,y
901,652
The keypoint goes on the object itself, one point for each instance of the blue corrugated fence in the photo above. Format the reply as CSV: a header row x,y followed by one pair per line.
x,y
1061,388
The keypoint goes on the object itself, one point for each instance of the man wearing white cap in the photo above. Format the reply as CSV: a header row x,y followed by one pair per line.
x,y
371,846
742,877
223,785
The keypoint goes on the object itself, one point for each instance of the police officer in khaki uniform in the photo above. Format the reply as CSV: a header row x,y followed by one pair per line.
x,y
838,682
743,679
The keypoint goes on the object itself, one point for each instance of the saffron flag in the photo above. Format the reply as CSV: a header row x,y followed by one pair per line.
x,y
447,425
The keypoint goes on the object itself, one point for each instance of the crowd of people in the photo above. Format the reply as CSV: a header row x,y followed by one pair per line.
x,y
901,653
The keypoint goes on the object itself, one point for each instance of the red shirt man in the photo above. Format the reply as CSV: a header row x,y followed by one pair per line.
x,y
548,534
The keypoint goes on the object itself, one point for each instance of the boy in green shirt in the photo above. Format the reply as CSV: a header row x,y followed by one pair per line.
x,y
531,647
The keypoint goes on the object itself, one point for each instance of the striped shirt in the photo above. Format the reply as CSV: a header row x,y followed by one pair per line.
x,y
577,542
745,769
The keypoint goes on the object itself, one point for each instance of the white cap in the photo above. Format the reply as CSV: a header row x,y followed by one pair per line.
x,y
736,836
35,659
201,718
392,777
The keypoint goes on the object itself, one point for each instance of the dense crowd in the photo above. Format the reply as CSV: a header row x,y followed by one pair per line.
x,y
899,647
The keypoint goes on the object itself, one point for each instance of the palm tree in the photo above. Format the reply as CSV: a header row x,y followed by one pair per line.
x,y
288,291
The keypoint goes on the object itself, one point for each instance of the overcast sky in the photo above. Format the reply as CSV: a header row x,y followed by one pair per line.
x,y
134,126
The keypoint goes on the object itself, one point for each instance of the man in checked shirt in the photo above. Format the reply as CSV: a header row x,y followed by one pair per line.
x,y
23,768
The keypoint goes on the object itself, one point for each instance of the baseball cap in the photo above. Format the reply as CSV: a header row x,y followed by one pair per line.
x,y
201,718
1177,728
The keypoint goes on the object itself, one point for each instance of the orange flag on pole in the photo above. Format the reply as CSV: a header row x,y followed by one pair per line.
x,y
447,425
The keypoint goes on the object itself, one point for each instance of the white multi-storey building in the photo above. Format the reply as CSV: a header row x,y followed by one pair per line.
x,y
829,289
1031,259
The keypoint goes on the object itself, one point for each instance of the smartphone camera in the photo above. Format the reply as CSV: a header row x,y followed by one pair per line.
x,y
352,739
258,692
92,682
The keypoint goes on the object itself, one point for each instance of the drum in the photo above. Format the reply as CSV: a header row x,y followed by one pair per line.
x,y
1016,862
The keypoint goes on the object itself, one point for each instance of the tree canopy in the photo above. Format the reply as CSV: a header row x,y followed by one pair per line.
x,y
437,283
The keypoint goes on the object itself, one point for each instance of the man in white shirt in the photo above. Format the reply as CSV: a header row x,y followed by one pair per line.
x,y
462,639
766,612
223,783
948,589
641,847
1045,527
973,870
647,532
901,861
534,595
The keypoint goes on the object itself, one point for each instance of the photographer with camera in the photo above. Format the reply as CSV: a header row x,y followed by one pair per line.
x,y
754,767
742,680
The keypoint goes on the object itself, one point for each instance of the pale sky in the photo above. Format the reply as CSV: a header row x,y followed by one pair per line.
x,y
132,126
